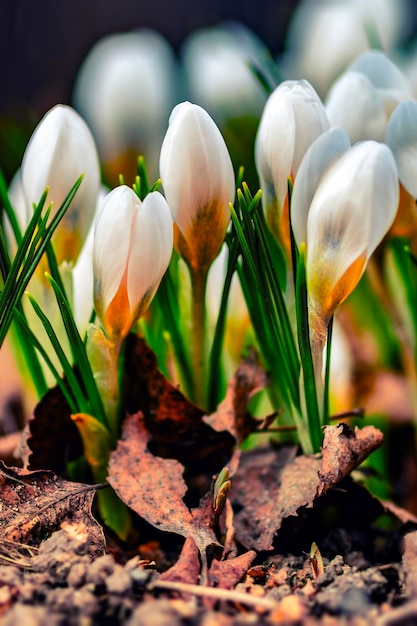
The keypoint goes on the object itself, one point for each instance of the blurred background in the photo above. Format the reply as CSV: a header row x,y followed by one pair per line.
x,y
43,45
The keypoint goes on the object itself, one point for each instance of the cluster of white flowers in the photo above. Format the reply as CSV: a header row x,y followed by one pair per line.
x,y
348,159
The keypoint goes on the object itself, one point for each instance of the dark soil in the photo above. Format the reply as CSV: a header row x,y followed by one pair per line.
x,y
365,579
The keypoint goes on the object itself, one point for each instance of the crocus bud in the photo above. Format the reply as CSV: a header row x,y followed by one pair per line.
x,y
199,183
59,151
131,252
292,119
353,206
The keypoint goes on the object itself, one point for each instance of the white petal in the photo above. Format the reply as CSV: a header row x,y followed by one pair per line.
x,y
150,248
322,152
112,235
391,84
383,74
324,37
83,275
355,104
402,139
353,208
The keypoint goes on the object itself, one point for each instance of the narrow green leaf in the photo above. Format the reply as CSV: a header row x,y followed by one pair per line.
x,y
79,352
263,313
24,328
81,401
10,212
214,387
22,269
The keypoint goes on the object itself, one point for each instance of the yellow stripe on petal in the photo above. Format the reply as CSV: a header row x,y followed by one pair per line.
x,y
117,319
405,223
324,297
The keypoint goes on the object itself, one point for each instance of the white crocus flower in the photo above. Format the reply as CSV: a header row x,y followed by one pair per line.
x,y
199,183
392,85
353,206
293,118
348,209
59,151
131,252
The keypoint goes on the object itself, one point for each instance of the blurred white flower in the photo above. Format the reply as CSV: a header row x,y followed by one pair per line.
x,y
364,97
402,139
218,62
326,35
131,252
59,151
199,182
125,90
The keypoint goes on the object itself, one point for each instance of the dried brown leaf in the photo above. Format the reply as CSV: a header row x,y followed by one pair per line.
x,y
34,504
50,438
399,512
410,563
187,568
232,414
271,486
226,574
175,424
343,450
257,497
154,487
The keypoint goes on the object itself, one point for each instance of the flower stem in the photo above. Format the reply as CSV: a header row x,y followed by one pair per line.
x,y
103,355
199,282
318,338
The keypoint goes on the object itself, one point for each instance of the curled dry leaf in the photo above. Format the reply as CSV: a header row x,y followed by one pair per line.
x,y
271,486
226,574
410,563
187,568
34,504
175,424
232,414
154,487
343,450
